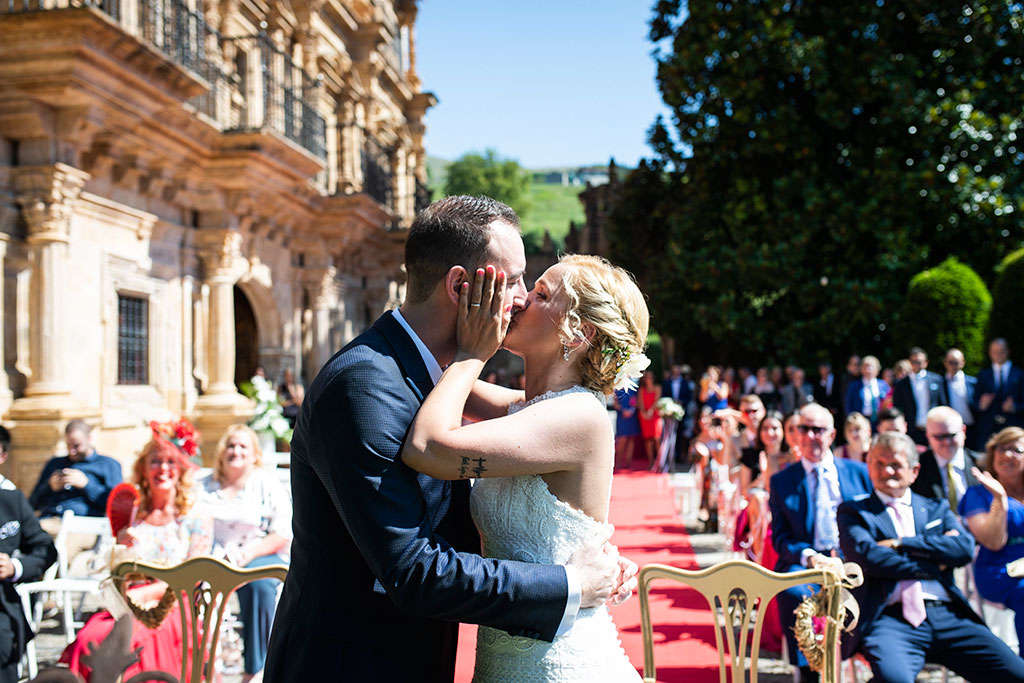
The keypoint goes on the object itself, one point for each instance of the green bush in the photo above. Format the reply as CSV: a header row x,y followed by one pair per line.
x,y
946,306
1008,304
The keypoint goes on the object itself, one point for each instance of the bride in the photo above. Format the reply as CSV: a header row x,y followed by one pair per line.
x,y
546,462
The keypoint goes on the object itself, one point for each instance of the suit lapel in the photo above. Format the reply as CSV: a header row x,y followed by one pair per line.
x,y
881,512
920,508
406,354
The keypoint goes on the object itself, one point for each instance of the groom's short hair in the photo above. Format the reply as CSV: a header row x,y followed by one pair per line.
x,y
453,231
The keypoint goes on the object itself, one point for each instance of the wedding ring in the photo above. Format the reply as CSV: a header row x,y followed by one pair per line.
x,y
476,305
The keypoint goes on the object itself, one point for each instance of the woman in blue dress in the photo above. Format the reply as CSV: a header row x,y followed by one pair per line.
x,y
627,427
994,511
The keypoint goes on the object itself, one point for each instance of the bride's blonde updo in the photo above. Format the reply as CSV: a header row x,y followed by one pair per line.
x,y
607,298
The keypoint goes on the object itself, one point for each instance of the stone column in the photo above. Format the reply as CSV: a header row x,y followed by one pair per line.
x,y
325,291
47,195
220,405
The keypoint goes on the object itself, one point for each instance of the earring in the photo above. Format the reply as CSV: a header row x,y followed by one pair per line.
x,y
565,352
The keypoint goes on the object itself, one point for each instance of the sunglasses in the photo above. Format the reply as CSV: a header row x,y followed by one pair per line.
x,y
813,430
943,437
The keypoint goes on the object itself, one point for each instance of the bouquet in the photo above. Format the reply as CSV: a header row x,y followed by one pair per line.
x,y
668,408
269,415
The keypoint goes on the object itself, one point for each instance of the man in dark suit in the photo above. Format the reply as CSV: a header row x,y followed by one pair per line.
x,y
960,389
383,564
804,530
917,393
827,390
25,553
948,461
999,395
910,608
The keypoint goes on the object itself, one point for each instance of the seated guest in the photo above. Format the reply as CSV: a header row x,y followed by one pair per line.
x,y
803,501
166,529
994,512
893,420
79,481
865,395
252,527
857,431
5,447
947,460
791,437
910,608
753,530
25,553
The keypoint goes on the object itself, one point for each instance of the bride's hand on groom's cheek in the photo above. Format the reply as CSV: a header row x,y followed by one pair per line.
x,y
482,321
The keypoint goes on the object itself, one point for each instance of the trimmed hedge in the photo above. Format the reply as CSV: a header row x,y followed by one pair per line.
x,y
1007,319
946,306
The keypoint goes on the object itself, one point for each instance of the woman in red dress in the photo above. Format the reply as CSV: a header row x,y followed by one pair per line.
x,y
167,529
650,421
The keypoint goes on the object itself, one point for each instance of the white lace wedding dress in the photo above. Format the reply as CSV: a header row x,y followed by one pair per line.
x,y
520,519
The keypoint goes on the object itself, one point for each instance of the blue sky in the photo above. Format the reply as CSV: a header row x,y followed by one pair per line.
x,y
549,83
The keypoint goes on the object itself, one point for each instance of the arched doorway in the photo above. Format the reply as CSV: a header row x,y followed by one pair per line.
x,y
247,355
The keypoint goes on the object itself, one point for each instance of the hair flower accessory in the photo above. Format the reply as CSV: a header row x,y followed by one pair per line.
x,y
629,368
182,436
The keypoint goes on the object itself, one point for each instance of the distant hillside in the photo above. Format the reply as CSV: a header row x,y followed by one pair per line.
x,y
552,206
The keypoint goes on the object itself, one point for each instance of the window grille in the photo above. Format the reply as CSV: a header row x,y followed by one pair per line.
x,y
132,340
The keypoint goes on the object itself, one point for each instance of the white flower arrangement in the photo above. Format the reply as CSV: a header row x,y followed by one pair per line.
x,y
668,408
629,368
268,416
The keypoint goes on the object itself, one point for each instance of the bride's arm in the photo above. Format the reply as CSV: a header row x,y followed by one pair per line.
x,y
488,401
554,436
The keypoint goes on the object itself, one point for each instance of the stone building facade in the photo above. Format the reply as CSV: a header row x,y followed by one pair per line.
x,y
189,188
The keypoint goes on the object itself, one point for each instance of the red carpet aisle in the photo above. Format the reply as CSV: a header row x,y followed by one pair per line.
x,y
648,530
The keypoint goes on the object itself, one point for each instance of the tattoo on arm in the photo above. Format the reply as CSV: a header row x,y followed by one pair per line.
x,y
477,470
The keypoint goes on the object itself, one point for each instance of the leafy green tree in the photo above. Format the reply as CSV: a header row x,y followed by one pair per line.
x,y
1008,303
819,155
946,306
489,174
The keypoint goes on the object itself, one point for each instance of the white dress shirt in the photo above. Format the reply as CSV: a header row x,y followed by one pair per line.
x,y
922,397
572,576
959,469
827,468
957,385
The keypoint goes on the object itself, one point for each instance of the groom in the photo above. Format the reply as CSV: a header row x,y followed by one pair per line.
x,y
383,560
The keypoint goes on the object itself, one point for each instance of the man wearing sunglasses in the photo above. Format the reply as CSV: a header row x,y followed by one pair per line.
x,y
803,502
946,467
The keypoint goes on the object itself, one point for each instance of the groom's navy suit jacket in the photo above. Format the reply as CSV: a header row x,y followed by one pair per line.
x,y
381,569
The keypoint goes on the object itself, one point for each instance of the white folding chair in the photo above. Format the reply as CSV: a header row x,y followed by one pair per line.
x,y
67,577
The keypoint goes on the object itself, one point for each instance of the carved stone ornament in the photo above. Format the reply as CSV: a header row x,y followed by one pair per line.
x,y
47,195
220,253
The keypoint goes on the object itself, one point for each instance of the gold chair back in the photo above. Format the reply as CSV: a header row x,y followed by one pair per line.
x,y
202,586
733,589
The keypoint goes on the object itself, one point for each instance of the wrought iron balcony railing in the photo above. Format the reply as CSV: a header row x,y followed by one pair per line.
x,y
172,27
252,84
377,172
276,93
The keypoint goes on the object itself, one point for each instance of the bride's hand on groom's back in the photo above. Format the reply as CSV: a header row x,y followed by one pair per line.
x,y
482,322
597,562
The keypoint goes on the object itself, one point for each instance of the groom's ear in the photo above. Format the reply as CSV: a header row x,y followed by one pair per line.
x,y
453,282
